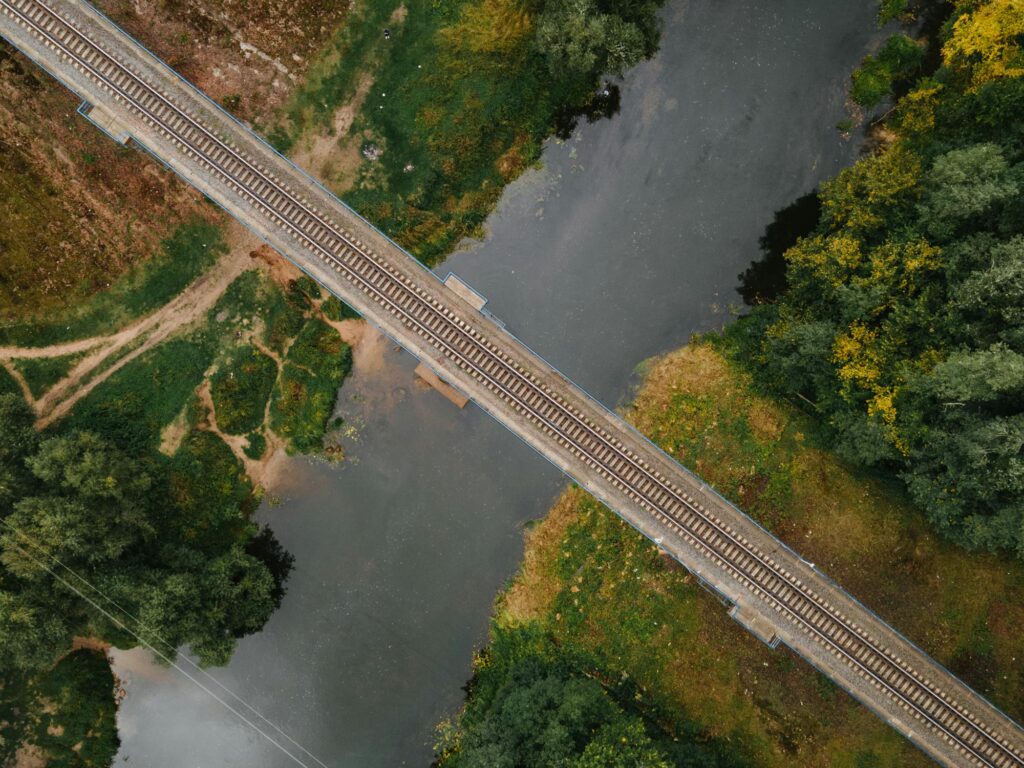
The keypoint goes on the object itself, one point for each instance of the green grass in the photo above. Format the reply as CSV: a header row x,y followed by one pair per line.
x,y
42,373
283,318
336,309
306,390
331,79
604,594
460,104
193,247
206,479
81,729
240,389
7,383
136,402
465,122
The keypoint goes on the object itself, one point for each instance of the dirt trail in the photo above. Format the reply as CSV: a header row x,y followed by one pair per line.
x,y
116,350
139,337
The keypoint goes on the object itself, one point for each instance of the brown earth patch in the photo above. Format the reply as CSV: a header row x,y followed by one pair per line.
x,y
78,210
245,54
332,155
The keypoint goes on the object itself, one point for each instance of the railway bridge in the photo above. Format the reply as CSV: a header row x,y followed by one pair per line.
x,y
772,592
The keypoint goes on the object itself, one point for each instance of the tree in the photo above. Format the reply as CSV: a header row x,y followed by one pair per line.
x,y
581,39
181,556
31,635
91,507
898,60
622,744
986,41
963,184
18,440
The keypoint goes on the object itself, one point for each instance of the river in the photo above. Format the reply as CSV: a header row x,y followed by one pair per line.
x,y
627,241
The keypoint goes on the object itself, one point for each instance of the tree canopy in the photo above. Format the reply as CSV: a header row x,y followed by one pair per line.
x,y
86,526
903,320
532,704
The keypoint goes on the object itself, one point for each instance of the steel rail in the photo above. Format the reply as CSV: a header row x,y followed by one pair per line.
x,y
768,569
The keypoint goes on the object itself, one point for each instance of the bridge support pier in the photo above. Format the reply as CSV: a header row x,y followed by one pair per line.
x,y
106,122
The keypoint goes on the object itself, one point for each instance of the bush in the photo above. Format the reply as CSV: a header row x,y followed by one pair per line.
x,y
306,390
256,446
78,728
336,309
899,59
240,389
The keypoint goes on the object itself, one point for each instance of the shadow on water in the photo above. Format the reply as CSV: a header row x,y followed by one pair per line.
x,y
605,102
765,279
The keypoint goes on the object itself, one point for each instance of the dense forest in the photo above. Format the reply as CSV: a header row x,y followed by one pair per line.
x,y
902,318
116,546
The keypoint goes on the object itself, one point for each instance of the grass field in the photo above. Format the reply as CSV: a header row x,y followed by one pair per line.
x,y
603,593
183,256
43,372
460,104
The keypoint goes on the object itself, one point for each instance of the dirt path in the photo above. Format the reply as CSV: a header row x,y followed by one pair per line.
x,y
105,355
137,338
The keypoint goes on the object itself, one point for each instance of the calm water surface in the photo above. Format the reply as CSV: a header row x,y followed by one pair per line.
x,y
626,242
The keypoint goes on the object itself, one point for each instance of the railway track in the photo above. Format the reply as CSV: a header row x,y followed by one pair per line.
x,y
766,578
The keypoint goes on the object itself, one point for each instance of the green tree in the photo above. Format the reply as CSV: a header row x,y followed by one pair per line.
x,y
621,745
898,59
963,184
93,509
18,440
31,635
580,38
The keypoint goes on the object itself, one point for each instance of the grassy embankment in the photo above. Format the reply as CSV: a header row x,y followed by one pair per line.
x,y
600,594
457,103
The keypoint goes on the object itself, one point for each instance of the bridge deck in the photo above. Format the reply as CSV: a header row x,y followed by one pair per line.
x,y
776,593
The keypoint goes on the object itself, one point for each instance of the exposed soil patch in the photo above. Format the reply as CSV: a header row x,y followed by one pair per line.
x,y
333,155
78,210
245,54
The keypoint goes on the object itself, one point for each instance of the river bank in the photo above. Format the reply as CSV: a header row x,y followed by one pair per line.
x,y
598,598
606,255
